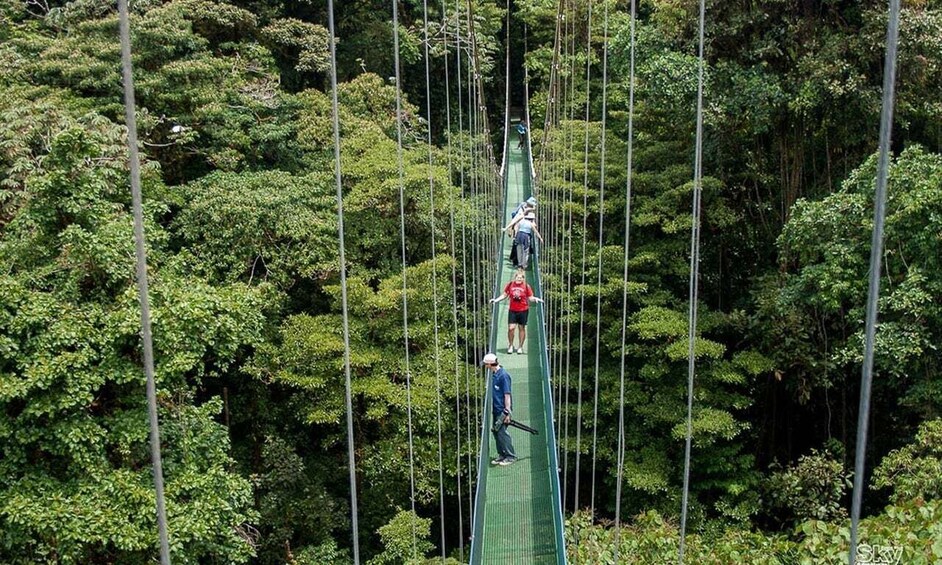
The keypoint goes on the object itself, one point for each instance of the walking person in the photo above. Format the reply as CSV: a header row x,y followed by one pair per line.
x,y
501,406
520,295
526,229
519,212
522,134
527,205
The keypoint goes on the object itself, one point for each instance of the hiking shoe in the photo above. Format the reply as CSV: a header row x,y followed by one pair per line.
x,y
507,461
497,461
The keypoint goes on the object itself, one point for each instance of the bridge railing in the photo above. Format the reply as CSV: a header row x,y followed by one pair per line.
x,y
480,499
549,419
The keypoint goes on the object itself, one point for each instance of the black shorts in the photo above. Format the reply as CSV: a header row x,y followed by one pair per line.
x,y
518,318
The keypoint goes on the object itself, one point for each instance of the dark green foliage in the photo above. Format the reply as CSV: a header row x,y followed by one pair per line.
x,y
822,298
270,226
240,217
913,471
792,101
911,528
75,465
812,489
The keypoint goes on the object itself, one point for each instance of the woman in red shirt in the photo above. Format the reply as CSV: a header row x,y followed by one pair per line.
x,y
520,295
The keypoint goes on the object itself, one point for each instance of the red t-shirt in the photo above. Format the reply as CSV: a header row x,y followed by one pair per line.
x,y
519,295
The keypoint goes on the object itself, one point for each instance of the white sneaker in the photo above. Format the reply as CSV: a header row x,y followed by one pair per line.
x,y
510,349
520,351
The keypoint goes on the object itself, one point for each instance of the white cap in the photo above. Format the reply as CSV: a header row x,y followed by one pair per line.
x,y
490,359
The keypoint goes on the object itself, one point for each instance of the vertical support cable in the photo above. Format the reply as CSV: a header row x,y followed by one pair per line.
x,y
402,235
503,165
134,163
464,250
598,282
438,371
694,282
876,254
348,396
570,157
624,296
454,279
585,232
557,90
546,176
551,89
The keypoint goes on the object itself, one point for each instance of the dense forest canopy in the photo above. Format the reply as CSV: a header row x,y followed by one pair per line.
x,y
235,128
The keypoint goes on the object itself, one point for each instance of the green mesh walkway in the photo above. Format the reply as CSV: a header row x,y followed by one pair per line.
x,y
517,513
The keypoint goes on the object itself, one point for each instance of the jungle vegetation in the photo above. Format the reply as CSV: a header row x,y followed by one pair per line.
x,y
241,220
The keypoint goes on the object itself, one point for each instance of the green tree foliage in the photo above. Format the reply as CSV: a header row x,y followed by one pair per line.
x,y
297,509
309,357
224,95
812,489
261,226
651,538
74,469
656,364
817,307
240,214
915,470
912,529
405,539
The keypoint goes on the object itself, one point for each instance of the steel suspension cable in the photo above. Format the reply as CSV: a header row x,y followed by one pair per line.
x,y
503,165
559,93
565,197
526,113
694,284
598,282
570,158
473,124
560,245
454,280
402,236
550,98
348,396
487,239
435,337
464,254
876,255
585,227
624,296
134,164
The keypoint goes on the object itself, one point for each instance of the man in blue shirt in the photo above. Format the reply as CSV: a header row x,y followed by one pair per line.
x,y
522,133
500,392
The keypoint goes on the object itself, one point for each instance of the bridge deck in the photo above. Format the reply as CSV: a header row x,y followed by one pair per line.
x,y
519,523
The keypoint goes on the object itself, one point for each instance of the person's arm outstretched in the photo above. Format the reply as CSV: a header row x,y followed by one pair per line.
x,y
513,222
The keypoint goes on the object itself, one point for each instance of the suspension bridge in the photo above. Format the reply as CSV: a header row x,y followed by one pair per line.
x,y
517,516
